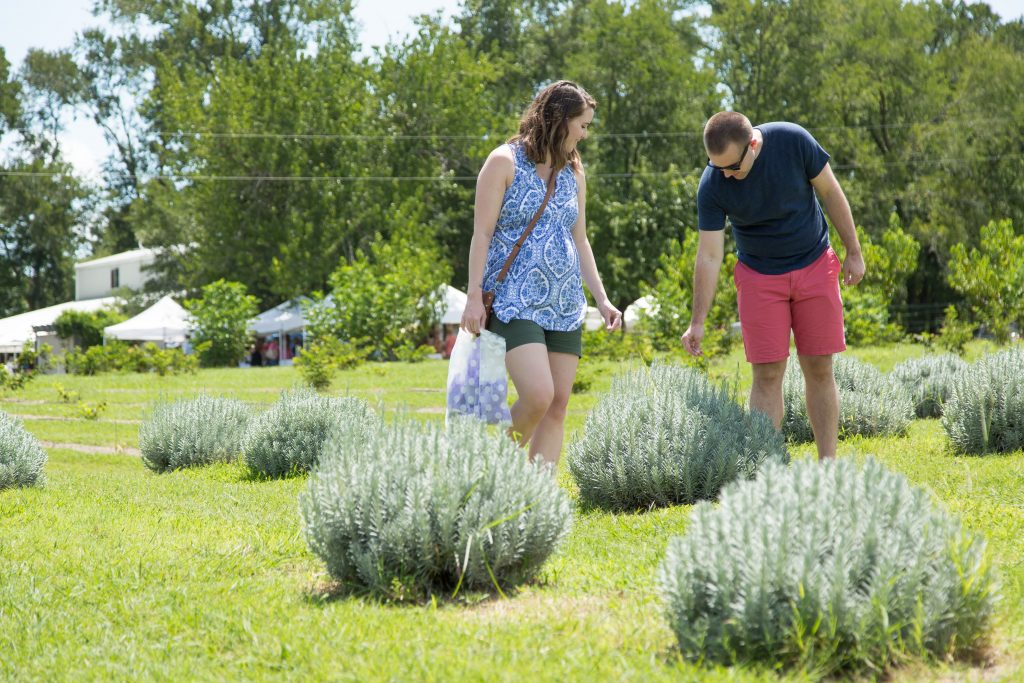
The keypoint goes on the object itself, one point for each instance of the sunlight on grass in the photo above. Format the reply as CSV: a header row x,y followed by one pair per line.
x,y
113,572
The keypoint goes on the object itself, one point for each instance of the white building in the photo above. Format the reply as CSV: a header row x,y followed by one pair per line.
x,y
100,277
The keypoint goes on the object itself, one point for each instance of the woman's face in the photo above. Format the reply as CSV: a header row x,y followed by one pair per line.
x,y
578,126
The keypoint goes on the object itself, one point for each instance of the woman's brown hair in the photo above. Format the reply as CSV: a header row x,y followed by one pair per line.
x,y
545,124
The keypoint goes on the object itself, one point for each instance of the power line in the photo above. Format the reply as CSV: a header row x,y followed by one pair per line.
x,y
248,135
442,178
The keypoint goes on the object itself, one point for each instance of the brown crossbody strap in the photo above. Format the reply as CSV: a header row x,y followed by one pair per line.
x,y
529,228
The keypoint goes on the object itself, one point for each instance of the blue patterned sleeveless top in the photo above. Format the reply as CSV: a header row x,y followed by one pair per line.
x,y
544,283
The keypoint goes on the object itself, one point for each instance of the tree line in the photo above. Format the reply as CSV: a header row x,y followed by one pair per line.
x,y
253,141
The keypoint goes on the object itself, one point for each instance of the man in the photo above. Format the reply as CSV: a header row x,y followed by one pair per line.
x,y
787,278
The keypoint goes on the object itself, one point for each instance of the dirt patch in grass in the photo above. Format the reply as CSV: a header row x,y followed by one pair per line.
x,y
86,448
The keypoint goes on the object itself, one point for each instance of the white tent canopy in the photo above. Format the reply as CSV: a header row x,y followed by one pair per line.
x,y
165,321
18,329
285,317
453,303
636,310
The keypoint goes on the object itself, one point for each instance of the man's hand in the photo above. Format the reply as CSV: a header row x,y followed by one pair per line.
x,y
692,338
853,268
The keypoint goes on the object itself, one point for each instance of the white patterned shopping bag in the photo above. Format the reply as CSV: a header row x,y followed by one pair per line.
x,y
477,383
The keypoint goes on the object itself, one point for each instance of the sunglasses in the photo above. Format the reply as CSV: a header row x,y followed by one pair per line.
x,y
732,167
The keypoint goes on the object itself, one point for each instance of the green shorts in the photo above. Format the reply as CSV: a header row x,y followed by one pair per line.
x,y
519,332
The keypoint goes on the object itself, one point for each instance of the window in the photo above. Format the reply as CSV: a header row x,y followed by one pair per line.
x,y
115,278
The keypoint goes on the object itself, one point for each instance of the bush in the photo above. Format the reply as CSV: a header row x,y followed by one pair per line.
x,y
197,431
672,295
985,409
117,356
382,298
617,345
869,403
928,381
221,335
85,328
288,438
411,508
826,567
665,435
320,359
21,456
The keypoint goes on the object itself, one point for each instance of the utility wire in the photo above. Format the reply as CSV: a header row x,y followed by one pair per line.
x,y
443,178
248,135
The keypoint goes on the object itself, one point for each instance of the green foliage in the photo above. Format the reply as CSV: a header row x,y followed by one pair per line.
x,y
67,396
870,404
929,381
191,432
410,509
992,278
318,360
119,356
21,455
617,345
985,409
221,318
665,435
91,411
31,360
867,307
381,301
955,333
826,567
288,438
673,295
411,353
85,328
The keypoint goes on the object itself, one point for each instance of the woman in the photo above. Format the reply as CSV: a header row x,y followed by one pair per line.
x,y
539,307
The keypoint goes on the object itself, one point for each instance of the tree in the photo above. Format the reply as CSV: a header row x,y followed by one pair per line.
x,y
382,301
991,277
221,323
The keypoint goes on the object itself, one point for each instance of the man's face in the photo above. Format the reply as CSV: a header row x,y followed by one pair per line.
x,y
734,162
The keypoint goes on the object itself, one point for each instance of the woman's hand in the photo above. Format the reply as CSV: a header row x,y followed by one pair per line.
x,y
611,315
474,314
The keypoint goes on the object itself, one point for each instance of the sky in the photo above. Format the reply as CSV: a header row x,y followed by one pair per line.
x,y
52,24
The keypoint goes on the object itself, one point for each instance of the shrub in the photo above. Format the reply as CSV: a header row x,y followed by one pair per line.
x,y
869,403
21,455
117,356
196,431
411,508
377,300
288,438
985,410
928,381
632,346
221,335
665,435
672,295
85,328
320,359
826,567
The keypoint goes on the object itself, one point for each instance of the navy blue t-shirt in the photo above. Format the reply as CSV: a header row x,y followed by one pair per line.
x,y
776,219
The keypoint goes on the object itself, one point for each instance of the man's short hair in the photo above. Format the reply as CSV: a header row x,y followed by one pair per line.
x,y
726,128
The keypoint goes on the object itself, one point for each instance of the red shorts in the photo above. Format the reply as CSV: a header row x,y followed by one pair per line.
x,y
805,300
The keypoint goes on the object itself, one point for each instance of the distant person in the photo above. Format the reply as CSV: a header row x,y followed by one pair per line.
x,y
764,179
539,307
270,352
255,357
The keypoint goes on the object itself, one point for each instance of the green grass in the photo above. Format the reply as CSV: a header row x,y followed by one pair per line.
x,y
113,572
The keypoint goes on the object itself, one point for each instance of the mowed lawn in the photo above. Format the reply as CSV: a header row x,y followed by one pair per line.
x,y
112,572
